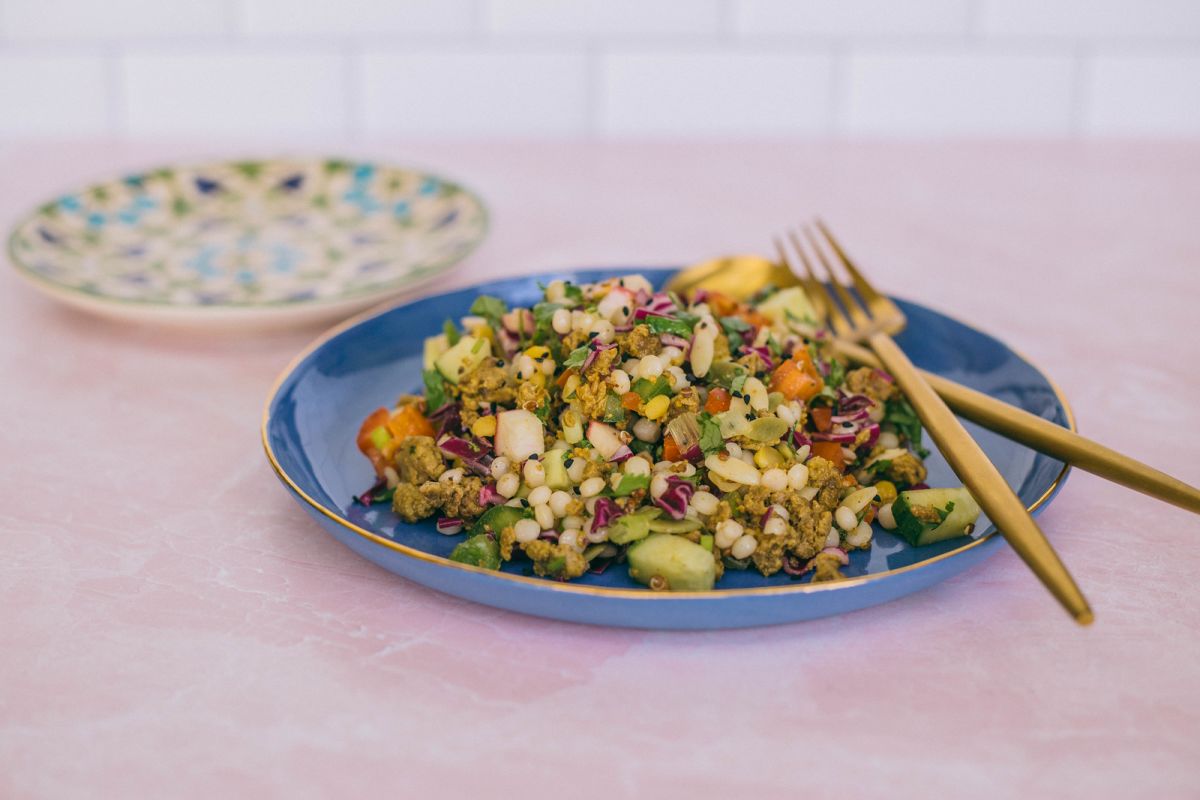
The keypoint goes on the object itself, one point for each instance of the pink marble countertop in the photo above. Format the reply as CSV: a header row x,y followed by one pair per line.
x,y
175,626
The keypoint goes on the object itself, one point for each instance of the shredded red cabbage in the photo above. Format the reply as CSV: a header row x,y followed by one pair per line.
x,y
766,515
800,438
795,566
376,494
675,499
449,526
622,453
848,403
509,343
763,353
473,452
674,340
597,348
605,511
447,419
885,376
841,554
488,496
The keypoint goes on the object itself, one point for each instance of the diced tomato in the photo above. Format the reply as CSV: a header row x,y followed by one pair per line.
x,y
795,382
409,421
718,400
869,517
822,418
830,451
631,401
670,449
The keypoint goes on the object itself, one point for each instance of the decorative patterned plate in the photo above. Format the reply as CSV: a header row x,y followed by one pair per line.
x,y
315,410
257,243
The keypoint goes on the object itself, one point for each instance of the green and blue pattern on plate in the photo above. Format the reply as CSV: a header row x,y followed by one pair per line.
x,y
250,233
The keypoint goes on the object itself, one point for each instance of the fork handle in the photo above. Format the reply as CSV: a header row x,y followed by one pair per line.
x,y
987,485
1047,437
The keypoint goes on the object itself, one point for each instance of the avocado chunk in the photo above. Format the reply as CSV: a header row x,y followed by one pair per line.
x,y
480,551
497,518
926,516
682,565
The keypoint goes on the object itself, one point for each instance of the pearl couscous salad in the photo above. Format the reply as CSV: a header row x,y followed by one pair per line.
x,y
611,424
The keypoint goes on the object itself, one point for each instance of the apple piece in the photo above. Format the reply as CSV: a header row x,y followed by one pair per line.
x,y
519,434
604,438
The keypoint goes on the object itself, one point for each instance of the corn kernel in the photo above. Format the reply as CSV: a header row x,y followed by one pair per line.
x,y
766,458
537,351
538,379
657,407
484,426
887,491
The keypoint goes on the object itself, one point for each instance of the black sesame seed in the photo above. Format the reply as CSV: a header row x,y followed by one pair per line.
x,y
568,462
625,310
524,504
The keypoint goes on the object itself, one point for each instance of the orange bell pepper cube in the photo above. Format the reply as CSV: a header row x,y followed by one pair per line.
x,y
830,451
718,400
822,418
631,401
409,421
795,381
671,449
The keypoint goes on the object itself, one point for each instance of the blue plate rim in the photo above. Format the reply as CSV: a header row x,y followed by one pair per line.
x,y
628,594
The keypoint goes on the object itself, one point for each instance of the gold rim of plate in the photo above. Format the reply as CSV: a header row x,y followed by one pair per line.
x,y
625,594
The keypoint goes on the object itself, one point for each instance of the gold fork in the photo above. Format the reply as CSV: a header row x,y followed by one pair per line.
x,y
868,318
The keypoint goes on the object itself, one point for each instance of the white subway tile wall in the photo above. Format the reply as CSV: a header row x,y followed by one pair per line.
x,y
609,68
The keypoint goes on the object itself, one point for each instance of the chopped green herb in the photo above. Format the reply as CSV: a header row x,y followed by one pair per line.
x,y
435,390
733,329
577,357
573,292
451,331
490,308
837,373
711,440
661,325
901,415
945,512
543,325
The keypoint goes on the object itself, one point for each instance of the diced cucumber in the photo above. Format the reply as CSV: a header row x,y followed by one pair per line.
x,y
791,301
463,357
632,527
675,525
434,347
556,470
497,518
915,512
684,565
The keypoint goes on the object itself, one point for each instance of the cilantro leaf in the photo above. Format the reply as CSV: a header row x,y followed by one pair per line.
x,y
945,512
435,390
451,331
662,325
733,329
630,484
573,292
837,373
901,415
711,440
490,308
543,324
577,357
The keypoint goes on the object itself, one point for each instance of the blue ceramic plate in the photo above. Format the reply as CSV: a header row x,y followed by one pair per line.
x,y
314,412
